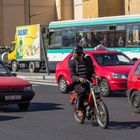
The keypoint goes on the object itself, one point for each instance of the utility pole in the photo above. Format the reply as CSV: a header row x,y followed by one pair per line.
x,y
27,11
1,22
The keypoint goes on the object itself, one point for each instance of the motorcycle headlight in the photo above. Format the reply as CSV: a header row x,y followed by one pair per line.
x,y
28,88
119,75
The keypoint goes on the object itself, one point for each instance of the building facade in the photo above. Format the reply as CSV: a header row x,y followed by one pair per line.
x,y
13,12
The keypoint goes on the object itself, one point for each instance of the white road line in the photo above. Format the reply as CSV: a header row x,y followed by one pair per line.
x,y
42,83
38,80
34,85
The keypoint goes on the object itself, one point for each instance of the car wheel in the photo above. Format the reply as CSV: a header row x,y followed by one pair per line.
x,y
105,88
23,106
62,85
14,66
32,67
135,101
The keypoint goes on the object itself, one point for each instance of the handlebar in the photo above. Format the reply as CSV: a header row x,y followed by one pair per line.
x,y
87,81
90,83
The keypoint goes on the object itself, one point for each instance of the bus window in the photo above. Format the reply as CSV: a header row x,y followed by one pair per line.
x,y
55,39
121,41
68,38
113,38
120,38
83,39
78,38
133,35
95,39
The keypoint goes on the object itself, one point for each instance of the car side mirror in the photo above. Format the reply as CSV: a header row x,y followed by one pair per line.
x,y
134,59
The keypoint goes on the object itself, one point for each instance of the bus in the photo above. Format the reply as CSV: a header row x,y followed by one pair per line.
x,y
117,33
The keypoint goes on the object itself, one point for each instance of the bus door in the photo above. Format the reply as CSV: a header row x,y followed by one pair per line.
x,y
54,48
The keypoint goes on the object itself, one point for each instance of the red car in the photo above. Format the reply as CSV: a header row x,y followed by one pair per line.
x,y
14,90
133,91
112,66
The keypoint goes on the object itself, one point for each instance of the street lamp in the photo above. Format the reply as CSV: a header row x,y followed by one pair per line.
x,y
27,12
129,4
38,13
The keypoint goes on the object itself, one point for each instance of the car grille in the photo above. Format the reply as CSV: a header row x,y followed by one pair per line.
x,y
13,89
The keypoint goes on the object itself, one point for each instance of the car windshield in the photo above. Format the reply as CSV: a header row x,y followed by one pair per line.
x,y
112,59
4,71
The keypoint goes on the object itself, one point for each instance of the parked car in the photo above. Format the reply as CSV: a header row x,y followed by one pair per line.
x,y
112,66
133,83
14,90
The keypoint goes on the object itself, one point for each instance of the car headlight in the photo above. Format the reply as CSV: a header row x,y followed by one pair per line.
x,y
119,75
29,88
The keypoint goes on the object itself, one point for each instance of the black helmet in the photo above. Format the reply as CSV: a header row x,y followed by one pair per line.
x,y
78,50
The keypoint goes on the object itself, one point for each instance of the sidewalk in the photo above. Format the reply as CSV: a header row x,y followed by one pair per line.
x,y
37,77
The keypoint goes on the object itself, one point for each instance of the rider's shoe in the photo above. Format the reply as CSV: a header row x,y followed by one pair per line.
x,y
80,112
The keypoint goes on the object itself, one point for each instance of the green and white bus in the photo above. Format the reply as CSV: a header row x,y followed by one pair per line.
x,y
117,33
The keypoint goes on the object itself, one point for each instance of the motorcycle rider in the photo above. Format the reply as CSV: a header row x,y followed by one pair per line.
x,y
81,67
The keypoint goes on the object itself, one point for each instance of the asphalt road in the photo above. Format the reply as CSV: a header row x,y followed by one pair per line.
x,y
50,117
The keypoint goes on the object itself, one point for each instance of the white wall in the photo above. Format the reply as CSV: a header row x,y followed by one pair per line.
x,y
78,9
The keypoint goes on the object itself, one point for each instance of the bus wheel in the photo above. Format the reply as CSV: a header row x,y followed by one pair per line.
x,y
14,66
32,67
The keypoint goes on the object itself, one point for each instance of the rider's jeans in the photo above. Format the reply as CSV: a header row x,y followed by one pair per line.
x,y
81,90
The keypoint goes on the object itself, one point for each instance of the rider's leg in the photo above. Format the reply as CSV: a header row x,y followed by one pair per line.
x,y
80,90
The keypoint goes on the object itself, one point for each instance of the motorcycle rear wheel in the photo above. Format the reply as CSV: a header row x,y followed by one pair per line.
x,y
102,116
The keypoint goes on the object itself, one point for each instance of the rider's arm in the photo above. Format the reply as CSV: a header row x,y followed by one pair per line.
x,y
90,66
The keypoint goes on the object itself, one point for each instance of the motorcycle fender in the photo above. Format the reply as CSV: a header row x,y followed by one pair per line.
x,y
90,99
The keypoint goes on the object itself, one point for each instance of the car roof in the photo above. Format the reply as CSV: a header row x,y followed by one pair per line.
x,y
101,51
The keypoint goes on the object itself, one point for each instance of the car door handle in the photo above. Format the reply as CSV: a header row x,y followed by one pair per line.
x,y
138,78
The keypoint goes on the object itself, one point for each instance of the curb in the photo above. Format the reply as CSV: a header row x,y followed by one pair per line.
x,y
50,79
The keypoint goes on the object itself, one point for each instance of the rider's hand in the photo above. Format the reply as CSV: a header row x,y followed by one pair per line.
x,y
96,76
81,79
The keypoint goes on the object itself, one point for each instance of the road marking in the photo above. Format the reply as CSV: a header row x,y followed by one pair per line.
x,y
43,83
34,85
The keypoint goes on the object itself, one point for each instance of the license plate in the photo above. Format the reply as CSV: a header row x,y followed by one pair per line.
x,y
13,97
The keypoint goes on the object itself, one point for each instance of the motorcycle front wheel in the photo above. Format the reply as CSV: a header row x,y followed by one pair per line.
x,y
102,115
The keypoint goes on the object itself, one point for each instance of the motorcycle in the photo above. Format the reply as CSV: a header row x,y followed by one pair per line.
x,y
94,106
